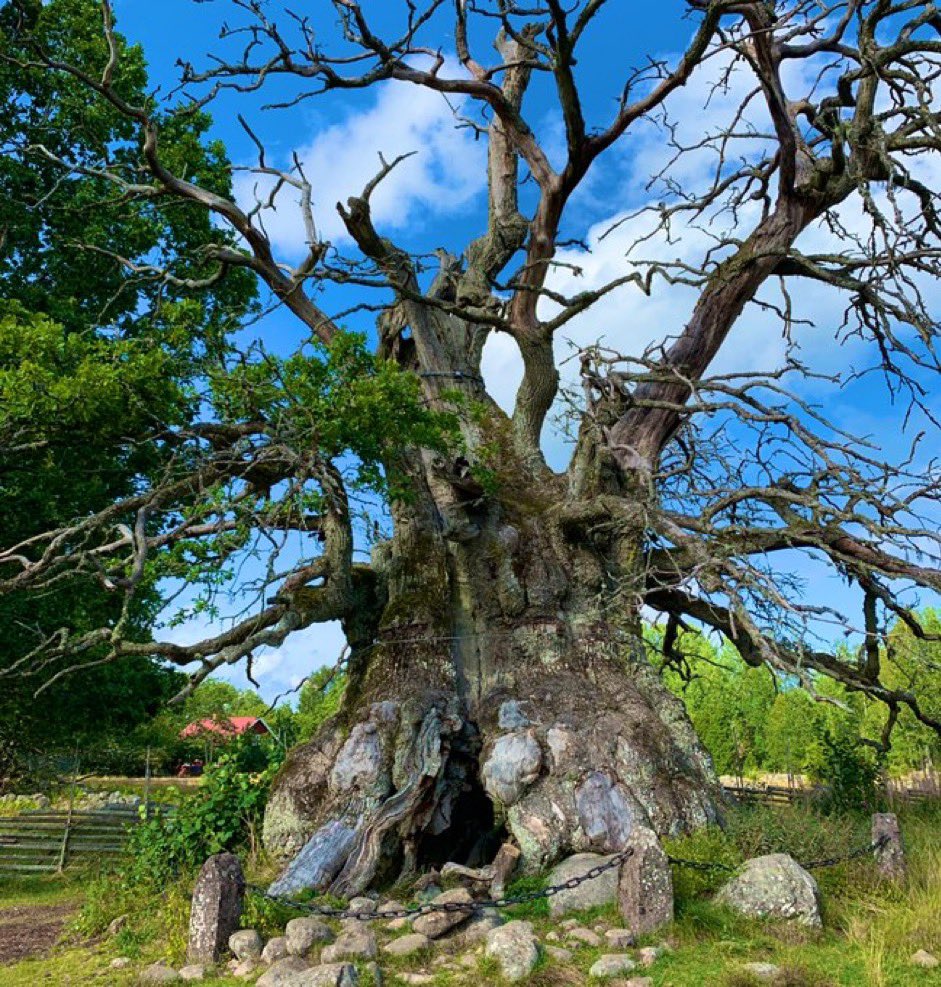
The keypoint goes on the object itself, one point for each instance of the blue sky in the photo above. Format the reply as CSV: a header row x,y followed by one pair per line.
x,y
436,199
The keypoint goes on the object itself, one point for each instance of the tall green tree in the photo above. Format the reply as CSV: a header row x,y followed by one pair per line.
x,y
100,357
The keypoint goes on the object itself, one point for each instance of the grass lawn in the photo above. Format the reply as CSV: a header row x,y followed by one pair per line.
x,y
871,927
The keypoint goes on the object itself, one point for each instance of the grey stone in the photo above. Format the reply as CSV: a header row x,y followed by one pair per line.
x,y
512,717
216,908
435,924
515,947
512,766
117,924
604,811
414,942
159,973
600,890
246,944
583,936
195,971
275,949
890,857
359,763
328,975
763,971
282,973
245,968
301,934
924,959
362,906
476,928
611,965
776,887
650,954
417,978
559,954
319,861
385,907
120,963
619,938
645,886
503,866
353,943
636,982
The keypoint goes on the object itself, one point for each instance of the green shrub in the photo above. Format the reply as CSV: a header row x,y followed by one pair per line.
x,y
849,770
223,814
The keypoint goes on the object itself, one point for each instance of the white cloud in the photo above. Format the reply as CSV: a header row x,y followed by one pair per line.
x,y
444,175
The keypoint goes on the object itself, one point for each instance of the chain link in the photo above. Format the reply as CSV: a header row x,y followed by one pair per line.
x,y
706,865
327,911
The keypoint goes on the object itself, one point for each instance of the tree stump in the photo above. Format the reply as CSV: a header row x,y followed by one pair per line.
x,y
890,856
645,886
216,908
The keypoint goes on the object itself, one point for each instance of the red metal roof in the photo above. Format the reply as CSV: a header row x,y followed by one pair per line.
x,y
230,726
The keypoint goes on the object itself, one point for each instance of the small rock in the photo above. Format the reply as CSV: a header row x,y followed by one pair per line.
x,y
275,949
244,968
559,954
353,943
503,866
635,982
619,938
763,971
362,906
120,963
407,945
515,948
649,955
553,936
195,971
397,924
611,965
416,978
385,907
301,934
116,925
584,936
601,890
246,944
475,930
284,973
924,959
569,923
328,975
159,973
435,924
774,886
469,960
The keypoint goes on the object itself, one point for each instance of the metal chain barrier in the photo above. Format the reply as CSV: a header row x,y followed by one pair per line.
x,y
705,865
326,911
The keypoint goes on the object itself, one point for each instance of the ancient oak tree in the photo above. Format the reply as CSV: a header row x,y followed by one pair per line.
x,y
497,670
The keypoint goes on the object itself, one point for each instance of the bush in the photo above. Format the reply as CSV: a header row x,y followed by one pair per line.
x,y
223,814
850,772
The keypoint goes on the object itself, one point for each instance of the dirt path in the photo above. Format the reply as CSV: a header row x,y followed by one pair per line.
x,y
30,930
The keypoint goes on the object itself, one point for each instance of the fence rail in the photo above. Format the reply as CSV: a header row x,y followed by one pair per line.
x,y
801,794
50,841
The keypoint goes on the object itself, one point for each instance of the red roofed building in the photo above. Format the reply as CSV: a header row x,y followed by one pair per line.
x,y
229,726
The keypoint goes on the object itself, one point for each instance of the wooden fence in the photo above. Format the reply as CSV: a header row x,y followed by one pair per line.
x,y
804,794
50,840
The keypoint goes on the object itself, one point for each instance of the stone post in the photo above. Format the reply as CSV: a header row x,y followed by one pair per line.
x,y
645,886
890,857
216,908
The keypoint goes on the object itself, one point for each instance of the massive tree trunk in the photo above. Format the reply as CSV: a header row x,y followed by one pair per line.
x,y
501,689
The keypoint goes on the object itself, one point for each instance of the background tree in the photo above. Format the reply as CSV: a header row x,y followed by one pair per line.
x,y
496,663
97,357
